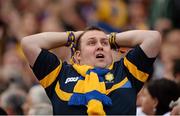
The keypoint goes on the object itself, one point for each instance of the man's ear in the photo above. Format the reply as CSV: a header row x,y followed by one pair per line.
x,y
77,56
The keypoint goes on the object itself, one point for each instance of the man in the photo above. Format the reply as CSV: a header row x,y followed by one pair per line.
x,y
94,84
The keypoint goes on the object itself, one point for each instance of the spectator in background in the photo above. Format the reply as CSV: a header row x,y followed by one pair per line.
x,y
168,9
163,25
41,109
16,69
36,96
111,15
173,37
169,52
2,112
12,100
137,15
4,82
159,9
70,17
28,19
50,23
3,38
175,105
176,70
175,13
157,96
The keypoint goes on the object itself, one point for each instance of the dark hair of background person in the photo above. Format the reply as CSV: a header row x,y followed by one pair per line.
x,y
164,91
176,67
2,112
3,28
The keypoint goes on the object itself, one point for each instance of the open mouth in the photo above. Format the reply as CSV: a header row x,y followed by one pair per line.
x,y
99,56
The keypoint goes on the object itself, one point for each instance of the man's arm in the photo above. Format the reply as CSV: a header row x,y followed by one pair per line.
x,y
33,44
149,41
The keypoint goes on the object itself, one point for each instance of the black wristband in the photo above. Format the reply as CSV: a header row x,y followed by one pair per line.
x,y
112,41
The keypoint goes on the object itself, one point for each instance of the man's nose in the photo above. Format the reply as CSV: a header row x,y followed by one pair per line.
x,y
99,46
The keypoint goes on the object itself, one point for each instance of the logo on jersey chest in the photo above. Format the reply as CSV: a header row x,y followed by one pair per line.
x,y
71,79
109,78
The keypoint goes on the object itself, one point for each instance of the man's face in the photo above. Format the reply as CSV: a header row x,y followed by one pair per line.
x,y
95,49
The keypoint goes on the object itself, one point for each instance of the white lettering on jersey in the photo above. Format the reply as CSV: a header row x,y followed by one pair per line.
x,y
71,79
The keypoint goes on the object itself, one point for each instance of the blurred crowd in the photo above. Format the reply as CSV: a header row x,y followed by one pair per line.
x,y
20,92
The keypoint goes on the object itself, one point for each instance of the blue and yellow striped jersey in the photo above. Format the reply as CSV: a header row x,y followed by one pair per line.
x,y
122,83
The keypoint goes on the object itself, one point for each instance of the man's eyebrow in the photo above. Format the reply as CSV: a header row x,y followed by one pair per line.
x,y
91,38
105,39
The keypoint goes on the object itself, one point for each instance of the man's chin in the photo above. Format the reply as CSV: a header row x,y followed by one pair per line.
x,y
100,65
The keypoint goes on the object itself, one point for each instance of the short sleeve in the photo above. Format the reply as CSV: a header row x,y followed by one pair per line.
x,y
138,66
47,68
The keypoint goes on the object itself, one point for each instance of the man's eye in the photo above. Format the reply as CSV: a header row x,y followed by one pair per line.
x,y
105,43
91,43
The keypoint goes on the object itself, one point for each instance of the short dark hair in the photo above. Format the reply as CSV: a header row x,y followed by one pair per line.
x,y
176,67
164,91
91,28
2,111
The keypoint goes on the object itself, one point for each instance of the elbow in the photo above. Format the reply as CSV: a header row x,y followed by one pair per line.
x,y
27,43
24,42
157,39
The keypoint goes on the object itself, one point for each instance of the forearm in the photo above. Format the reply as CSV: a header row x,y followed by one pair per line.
x,y
149,41
133,38
33,44
48,40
